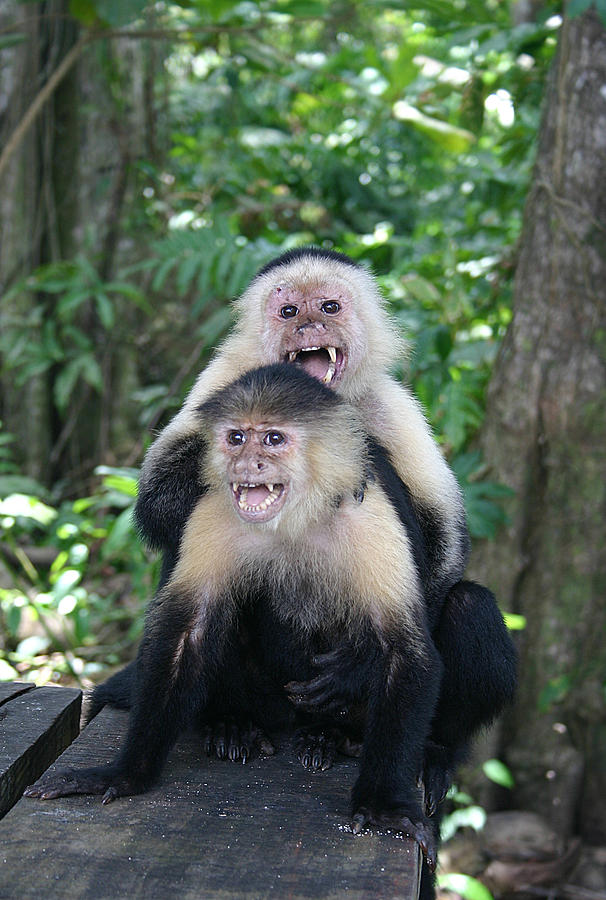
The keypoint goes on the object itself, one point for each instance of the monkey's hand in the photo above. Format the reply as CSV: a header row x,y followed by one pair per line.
x,y
421,830
228,739
109,781
342,680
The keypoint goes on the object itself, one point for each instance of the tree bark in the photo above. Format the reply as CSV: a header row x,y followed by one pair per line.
x,y
64,192
545,436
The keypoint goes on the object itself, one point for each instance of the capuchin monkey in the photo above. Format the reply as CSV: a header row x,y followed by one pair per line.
x,y
321,312
293,558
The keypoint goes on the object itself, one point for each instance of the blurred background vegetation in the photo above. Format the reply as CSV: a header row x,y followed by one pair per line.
x,y
153,156
187,145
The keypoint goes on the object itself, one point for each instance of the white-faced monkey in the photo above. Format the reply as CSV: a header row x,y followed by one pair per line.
x,y
322,312
293,551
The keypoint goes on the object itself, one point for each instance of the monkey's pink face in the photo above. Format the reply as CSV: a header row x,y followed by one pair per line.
x,y
312,329
256,460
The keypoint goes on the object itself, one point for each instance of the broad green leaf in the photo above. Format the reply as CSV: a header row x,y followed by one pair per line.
x,y
467,887
22,505
498,772
514,622
458,140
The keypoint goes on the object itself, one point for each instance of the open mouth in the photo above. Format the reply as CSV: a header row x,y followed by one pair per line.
x,y
323,363
258,502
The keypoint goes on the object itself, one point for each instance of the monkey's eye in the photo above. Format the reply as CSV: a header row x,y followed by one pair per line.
x,y
289,311
330,307
274,438
237,438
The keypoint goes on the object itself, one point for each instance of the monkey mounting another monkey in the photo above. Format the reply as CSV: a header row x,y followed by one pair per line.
x,y
320,311
293,553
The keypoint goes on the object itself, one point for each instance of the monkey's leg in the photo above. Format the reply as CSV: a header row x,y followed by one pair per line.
x,y
181,647
479,679
400,708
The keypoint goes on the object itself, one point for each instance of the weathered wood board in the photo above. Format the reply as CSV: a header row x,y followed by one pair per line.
x,y
36,725
211,829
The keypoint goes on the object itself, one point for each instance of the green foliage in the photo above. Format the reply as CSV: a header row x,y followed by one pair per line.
x,y
66,614
498,772
401,135
67,330
464,885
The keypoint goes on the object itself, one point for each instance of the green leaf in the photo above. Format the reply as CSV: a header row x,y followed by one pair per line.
x,y
84,11
458,140
468,817
514,622
105,310
119,12
498,772
11,39
122,529
464,885
7,672
22,505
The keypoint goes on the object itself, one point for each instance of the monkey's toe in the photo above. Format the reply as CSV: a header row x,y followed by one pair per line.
x,y
421,831
316,749
237,742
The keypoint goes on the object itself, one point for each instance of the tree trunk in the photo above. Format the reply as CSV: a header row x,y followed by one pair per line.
x,y
65,192
545,436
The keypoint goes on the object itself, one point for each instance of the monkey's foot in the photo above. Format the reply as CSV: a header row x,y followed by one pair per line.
x,y
228,739
423,832
437,776
105,780
316,748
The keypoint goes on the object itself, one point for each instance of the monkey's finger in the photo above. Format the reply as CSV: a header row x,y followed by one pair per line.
x,y
360,819
110,795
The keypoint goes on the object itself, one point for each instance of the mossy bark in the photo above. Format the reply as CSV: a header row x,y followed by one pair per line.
x,y
545,436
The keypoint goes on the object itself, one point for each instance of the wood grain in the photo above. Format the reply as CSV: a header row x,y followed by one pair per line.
x,y
211,829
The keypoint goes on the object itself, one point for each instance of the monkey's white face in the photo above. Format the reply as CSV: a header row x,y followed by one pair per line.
x,y
256,463
316,328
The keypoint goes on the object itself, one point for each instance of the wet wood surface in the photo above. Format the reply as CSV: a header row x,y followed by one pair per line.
x,y
36,725
211,829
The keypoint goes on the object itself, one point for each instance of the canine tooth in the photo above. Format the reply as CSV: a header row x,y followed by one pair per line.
x,y
292,355
270,488
332,353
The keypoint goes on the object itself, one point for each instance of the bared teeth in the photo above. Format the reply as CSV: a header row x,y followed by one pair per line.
x,y
292,355
332,353
241,490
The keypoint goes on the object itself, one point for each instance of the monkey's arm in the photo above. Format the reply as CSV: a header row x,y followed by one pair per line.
x,y
180,654
170,481
344,676
169,488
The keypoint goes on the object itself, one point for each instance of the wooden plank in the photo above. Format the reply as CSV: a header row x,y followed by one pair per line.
x,y
10,689
212,829
35,727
